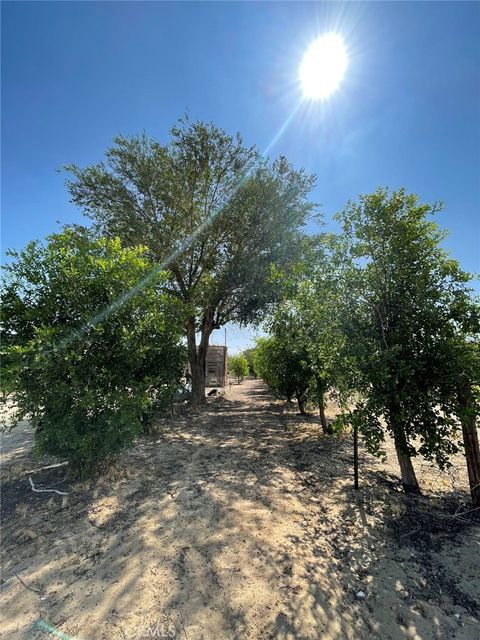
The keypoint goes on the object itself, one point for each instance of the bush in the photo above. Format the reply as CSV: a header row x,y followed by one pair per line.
x,y
249,355
285,367
91,345
238,365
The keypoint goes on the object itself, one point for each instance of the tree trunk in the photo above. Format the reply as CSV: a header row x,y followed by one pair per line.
x,y
407,472
198,383
301,402
327,429
470,438
197,356
323,419
197,371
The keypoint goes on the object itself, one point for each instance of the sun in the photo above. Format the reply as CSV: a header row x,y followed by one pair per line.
x,y
323,66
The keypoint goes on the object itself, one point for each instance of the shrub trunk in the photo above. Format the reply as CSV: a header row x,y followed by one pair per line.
x,y
470,439
327,429
407,472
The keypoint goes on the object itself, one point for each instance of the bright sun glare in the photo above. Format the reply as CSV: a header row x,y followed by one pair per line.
x,y
323,66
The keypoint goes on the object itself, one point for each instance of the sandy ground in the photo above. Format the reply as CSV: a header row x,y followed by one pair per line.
x,y
238,521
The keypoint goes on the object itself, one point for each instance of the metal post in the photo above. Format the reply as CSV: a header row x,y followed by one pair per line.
x,y
225,362
355,456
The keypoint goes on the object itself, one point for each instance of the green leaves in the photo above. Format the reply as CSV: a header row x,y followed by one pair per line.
x,y
211,211
238,366
405,305
87,352
382,318
282,361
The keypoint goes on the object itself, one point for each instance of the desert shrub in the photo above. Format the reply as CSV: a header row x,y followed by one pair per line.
x,y
91,345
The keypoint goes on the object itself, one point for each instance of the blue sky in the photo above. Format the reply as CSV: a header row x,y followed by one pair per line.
x,y
74,74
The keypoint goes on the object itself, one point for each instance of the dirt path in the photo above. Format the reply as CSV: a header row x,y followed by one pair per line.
x,y
238,521
16,443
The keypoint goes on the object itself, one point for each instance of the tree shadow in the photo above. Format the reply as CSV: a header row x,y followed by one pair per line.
x,y
234,522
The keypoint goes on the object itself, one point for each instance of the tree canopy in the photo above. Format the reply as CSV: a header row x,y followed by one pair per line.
x,y
381,318
404,296
201,230
212,212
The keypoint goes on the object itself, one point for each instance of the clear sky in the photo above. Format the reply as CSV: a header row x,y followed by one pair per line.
x,y
74,74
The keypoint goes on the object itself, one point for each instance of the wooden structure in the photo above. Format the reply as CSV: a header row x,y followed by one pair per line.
x,y
216,366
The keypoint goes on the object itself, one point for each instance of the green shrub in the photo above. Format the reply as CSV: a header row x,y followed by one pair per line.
x,y
284,366
92,347
238,365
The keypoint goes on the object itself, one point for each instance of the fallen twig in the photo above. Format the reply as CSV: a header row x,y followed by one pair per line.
x,y
49,466
462,513
412,593
60,493
34,589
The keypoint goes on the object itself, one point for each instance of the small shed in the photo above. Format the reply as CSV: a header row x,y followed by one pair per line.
x,y
216,366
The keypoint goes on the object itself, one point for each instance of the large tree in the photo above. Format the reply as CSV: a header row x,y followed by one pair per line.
x,y
211,211
403,297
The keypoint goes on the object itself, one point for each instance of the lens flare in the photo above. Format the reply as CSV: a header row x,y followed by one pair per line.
x,y
323,67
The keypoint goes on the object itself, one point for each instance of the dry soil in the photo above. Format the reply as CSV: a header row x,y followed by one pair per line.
x,y
238,521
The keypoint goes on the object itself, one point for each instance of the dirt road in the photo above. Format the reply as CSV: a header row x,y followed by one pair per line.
x,y
238,522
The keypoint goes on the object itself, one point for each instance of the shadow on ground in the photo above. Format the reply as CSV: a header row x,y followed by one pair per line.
x,y
239,521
